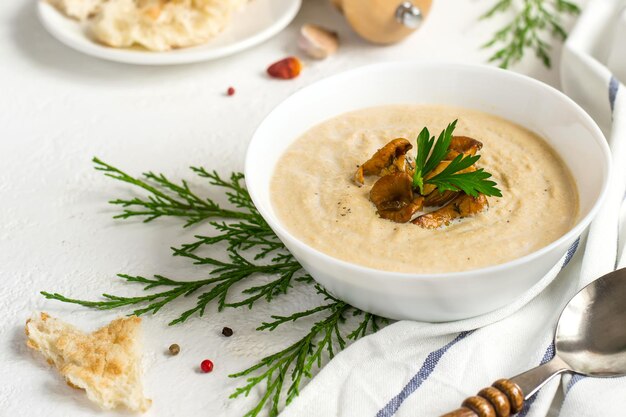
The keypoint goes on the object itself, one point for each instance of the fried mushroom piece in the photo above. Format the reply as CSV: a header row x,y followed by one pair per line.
x,y
439,199
387,160
458,145
394,199
462,206
429,189
462,145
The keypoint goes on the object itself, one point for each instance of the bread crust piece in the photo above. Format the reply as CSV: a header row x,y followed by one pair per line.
x,y
105,363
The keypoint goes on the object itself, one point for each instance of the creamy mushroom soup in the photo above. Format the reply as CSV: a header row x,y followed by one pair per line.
x,y
316,199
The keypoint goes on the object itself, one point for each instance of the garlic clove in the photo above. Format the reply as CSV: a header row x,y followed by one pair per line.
x,y
318,42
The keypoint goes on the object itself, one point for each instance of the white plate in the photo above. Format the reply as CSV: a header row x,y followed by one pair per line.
x,y
259,21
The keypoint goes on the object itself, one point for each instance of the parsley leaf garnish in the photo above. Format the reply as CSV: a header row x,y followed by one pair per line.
x,y
425,161
471,183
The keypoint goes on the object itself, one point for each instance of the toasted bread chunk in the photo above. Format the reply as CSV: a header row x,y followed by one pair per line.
x,y
77,9
157,25
105,363
160,25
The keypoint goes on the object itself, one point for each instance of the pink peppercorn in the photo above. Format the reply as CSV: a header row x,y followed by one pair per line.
x,y
206,366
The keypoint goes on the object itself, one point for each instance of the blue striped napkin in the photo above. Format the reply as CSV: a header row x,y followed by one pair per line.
x,y
423,369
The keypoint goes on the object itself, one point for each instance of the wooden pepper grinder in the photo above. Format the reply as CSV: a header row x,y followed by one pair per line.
x,y
384,21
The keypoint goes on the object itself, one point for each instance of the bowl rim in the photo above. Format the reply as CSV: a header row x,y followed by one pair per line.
x,y
575,230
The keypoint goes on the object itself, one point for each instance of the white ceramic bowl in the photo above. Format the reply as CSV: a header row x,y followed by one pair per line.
x,y
446,296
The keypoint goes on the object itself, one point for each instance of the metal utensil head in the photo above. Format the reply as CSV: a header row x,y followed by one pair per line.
x,y
590,340
591,332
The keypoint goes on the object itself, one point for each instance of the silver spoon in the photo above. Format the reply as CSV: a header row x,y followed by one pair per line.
x,y
590,340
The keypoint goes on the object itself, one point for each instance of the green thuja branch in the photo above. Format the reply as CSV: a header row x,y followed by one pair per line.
x,y
532,25
242,247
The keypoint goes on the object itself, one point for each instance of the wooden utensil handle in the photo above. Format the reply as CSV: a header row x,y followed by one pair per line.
x,y
502,399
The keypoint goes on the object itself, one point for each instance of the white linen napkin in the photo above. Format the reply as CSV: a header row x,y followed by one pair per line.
x,y
424,369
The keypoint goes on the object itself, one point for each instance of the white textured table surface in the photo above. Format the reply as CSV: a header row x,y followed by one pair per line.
x,y
59,108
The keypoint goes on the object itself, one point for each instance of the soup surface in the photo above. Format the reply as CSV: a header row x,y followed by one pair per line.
x,y
316,199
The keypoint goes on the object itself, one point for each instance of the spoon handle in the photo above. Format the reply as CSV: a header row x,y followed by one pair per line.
x,y
506,396
531,381
502,399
